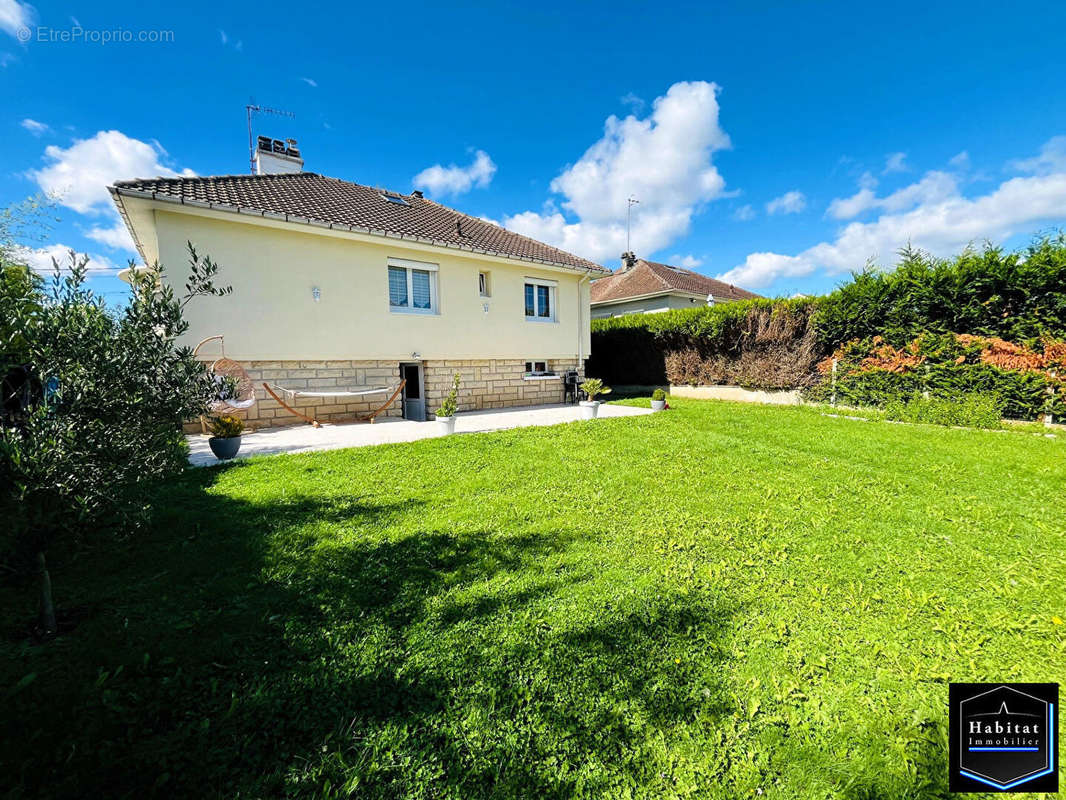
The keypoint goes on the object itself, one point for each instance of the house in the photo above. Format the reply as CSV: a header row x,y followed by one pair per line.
x,y
645,287
339,285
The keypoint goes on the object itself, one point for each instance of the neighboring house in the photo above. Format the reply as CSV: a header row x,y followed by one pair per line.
x,y
644,287
341,285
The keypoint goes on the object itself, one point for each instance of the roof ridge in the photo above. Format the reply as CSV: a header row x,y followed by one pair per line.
x,y
651,267
179,178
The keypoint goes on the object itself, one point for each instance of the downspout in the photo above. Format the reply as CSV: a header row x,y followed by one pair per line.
x,y
580,330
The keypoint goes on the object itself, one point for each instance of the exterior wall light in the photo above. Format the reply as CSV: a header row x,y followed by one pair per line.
x,y
316,293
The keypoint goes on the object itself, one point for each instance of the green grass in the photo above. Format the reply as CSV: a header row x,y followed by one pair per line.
x,y
715,601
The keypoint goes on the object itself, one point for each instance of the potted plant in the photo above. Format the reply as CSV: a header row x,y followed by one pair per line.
x,y
446,413
592,387
658,400
226,433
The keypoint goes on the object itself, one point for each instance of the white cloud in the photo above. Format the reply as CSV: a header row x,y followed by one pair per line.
x,y
454,179
789,203
224,38
78,176
663,160
1052,158
744,213
687,261
7,58
15,16
310,82
116,236
40,260
960,161
895,162
634,101
933,187
941,223
34,127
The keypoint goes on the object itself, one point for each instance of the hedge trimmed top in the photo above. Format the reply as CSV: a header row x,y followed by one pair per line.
x,y
1018,296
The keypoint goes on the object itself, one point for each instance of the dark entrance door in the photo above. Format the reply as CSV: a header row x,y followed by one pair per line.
x,y
414,403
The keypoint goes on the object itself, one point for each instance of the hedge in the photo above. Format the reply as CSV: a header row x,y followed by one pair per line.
x,y
776,343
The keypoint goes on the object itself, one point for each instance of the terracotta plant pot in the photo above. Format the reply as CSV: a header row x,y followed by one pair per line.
x,y
224,449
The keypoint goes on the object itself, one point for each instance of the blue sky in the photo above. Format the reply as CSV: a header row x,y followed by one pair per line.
x,y
776,144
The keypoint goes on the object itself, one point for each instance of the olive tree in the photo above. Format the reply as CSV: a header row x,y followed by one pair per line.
x,y
114,388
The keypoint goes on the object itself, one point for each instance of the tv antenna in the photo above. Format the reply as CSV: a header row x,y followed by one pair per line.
x,y
254,108
630,202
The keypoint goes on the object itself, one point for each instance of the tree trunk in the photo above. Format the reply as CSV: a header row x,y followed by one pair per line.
x,y
46,610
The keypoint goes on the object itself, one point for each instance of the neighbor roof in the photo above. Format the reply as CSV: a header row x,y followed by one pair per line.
x,y
649,278
310,198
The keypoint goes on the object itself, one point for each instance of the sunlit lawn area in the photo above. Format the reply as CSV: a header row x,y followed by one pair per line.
x,y
707,602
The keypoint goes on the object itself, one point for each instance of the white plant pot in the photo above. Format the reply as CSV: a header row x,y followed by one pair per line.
x,y
589,408
658,405
446,425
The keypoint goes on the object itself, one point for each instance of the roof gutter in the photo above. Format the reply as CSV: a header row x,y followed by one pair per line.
x,y
664,292
116,196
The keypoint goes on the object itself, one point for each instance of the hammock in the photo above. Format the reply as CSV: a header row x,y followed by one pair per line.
x,y
273,391
236,391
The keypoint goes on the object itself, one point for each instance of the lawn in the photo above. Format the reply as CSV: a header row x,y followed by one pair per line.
x,y
716,601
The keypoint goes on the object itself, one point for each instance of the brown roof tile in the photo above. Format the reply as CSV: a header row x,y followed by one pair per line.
x,y
648,277
308,196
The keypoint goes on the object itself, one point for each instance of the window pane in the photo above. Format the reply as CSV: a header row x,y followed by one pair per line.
x,y
540,366
481,283
529,366
543,307
529,300
398,287
420,289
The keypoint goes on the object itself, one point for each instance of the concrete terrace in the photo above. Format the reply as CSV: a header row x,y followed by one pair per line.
x,y
305,438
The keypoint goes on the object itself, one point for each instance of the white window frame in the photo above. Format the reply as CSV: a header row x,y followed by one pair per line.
x,y
484,284
534,371
553,295
410,266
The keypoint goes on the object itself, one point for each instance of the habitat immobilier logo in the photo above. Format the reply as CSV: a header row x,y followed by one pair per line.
x,y
1004,737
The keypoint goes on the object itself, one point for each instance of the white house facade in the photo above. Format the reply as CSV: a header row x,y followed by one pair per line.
x,y
341,285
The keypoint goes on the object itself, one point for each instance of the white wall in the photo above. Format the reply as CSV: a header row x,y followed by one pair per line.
x,y
271,314
647,305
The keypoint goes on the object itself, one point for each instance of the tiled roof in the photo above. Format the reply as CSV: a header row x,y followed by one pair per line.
x,y
648,277
308,197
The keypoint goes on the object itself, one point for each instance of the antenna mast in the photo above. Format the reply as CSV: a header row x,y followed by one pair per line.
x,y
630,202
253,108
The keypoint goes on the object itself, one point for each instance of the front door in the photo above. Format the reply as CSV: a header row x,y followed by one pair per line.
x,y
414,402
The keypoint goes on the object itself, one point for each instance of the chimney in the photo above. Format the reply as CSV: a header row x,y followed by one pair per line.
x,y
277,157
628,261
418,193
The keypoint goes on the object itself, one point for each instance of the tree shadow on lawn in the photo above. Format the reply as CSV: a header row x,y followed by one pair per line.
x,y
241,650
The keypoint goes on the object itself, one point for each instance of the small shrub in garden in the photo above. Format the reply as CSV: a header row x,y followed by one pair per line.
x,y
593,387
971,411
226,427
451,402
658,394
